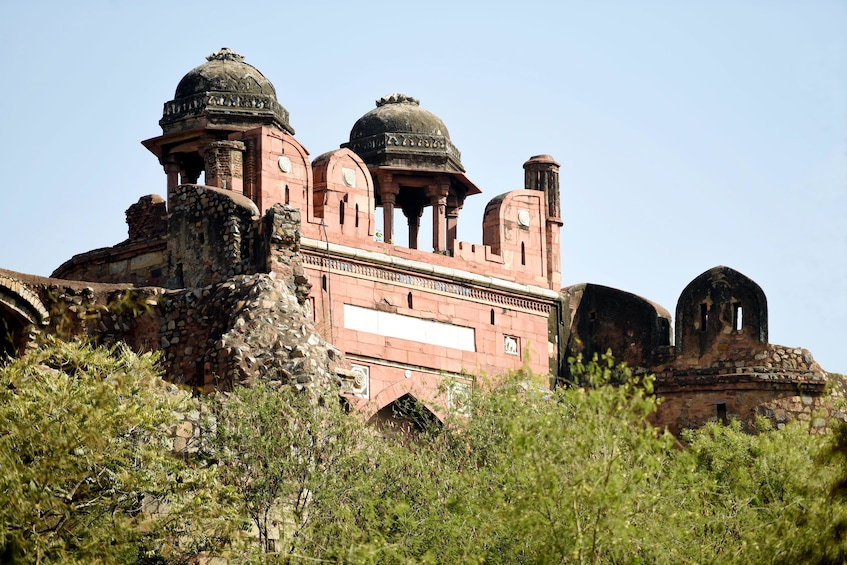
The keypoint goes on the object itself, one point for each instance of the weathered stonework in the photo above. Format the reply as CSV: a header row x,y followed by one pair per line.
x,y
252,275
721,366
247,328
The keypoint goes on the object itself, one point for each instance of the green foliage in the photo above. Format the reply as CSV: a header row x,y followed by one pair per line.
x,y
576,475
84,448
280,450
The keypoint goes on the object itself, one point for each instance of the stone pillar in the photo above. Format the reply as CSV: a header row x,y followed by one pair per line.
x,y
172,171
388,191
437,194
414,218
224,162
454,204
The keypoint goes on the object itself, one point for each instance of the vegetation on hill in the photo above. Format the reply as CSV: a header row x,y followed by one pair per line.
x,y
576,475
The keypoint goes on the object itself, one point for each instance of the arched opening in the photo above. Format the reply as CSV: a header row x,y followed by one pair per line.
x,y
287,194
523,253
492,316
341,212
13,332
409,302
21,312
406,416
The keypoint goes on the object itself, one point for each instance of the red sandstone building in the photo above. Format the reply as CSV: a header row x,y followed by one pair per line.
x,y
407,319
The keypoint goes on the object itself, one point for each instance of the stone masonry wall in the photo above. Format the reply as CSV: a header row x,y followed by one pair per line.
x,y
247,328
250,327
212,236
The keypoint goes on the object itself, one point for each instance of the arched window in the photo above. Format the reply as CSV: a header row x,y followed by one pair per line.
x,y
409,300
523,253
323,283
287,194
341,212
492,316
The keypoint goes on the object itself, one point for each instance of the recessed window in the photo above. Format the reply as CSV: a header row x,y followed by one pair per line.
x,y
341,212
492,316
720,408
737,317
287,194
704,316
409,300
323,283
523,253
357,216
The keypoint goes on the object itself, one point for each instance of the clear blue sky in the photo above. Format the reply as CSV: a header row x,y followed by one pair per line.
x,y
691,134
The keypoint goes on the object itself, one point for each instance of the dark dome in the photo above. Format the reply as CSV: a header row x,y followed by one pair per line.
x,y
398,113
224,71
399,132
227,91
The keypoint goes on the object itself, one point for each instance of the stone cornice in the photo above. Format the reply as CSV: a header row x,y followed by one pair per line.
x,y
225,103
405,143
456,275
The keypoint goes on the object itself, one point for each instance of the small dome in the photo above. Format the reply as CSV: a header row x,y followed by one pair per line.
x,y
398,113
224,91
399,132
224,71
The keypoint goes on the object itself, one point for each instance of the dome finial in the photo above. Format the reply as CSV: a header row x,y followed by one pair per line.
x,y
225,54
397,99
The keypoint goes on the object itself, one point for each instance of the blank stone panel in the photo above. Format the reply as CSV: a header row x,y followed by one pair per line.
x,y
388,324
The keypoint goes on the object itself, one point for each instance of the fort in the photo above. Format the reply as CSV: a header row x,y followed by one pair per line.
x,y
261,263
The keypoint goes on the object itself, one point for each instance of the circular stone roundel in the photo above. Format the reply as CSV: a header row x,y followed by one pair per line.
x,y
284,164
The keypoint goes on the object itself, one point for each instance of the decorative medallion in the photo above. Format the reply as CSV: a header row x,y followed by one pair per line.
x,y
284,163
349,177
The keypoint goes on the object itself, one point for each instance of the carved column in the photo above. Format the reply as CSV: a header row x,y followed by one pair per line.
x,y
454,204
414,217
437,194
172,171
388,191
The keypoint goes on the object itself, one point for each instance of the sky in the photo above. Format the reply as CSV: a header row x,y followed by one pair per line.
x,y
690,134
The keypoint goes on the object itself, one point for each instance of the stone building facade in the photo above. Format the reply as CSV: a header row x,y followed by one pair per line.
x,y
276,267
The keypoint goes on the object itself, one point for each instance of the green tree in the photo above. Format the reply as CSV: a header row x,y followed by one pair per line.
x,y
85,450
282,451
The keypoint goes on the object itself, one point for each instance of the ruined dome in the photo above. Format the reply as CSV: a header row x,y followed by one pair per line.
x,y
224,91
398,132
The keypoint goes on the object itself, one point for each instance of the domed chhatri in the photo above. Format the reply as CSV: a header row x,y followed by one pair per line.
x,y
224,91
398,132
